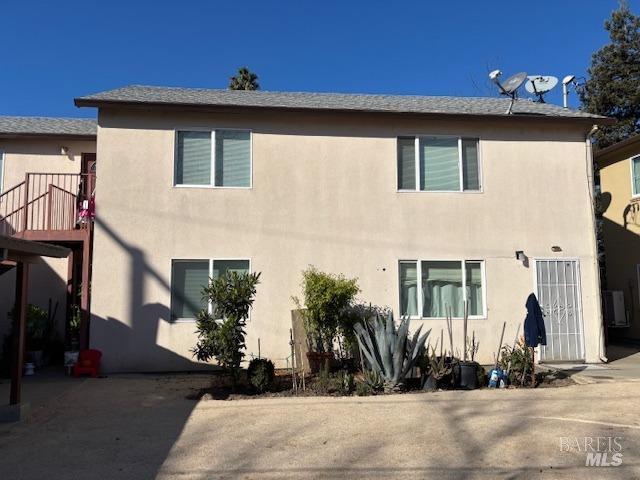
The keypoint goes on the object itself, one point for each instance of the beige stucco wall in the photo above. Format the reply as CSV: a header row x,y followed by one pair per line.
x,y
621,230
31,154
324,193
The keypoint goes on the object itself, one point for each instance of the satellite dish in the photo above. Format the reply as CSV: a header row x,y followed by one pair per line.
x,y
514,82
510,86
539,85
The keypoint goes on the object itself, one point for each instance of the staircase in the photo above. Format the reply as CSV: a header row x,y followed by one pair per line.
x,y
55,208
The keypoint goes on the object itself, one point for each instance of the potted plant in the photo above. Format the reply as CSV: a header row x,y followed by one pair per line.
x,y
326,300
440,370
73,332
468,370
38,330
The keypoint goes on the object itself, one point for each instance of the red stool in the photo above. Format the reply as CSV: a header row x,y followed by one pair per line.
x,y
88,363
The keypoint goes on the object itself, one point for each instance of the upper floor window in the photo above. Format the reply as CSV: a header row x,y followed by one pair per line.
x,y
438,164
218,158
635,176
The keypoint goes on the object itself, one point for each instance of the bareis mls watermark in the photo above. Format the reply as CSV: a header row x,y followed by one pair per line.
x,y
598,451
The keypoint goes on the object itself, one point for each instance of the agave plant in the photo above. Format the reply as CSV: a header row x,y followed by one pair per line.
x,y
389,350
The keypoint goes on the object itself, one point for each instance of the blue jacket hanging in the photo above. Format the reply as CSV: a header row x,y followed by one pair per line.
x,y
534,332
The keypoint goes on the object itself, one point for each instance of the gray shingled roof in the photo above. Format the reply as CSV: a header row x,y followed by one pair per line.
x,y
84,127
137,94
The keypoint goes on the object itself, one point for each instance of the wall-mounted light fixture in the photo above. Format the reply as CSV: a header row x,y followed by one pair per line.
x,y
556,248
521,257
64,150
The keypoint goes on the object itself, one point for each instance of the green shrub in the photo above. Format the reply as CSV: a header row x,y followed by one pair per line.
x,y
221,334
518,360
363,389
261,373
326,299
373,380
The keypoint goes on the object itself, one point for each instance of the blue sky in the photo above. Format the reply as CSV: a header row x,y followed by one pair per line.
x,y
54,51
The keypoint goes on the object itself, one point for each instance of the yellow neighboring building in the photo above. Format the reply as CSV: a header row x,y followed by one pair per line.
x,y
620,193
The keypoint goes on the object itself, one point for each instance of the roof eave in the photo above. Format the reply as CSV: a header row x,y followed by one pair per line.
x,y
616,147
98,103
66,136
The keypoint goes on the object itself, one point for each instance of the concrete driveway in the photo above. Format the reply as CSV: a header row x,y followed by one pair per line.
x,y
142,426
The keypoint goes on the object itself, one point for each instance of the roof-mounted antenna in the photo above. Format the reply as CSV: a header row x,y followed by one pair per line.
x,y
569,79
510,86
538,85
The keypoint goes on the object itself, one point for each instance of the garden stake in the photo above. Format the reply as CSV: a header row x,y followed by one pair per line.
x,y
504,325
533,367
464,326
293,368
441,340
450,328
258,347
515,342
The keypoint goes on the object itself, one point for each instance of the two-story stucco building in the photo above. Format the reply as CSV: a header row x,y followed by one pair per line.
x,y
426,200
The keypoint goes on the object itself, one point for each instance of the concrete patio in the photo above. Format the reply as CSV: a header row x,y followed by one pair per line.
x,y
142,426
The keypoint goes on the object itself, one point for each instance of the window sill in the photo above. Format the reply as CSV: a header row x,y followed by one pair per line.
x,y
474,317
467,192
212,187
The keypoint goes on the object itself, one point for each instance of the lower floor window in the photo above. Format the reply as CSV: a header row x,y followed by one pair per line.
x,y
429,287
189,277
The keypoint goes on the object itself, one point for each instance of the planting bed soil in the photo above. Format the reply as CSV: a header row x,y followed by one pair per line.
x,y
318,386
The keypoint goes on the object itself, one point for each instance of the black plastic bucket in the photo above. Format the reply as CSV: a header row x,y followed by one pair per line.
x,y
468,375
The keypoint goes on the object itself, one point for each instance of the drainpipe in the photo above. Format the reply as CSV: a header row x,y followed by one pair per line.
x,y
594,240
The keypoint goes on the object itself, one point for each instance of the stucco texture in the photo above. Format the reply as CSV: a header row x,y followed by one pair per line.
x,y
324,193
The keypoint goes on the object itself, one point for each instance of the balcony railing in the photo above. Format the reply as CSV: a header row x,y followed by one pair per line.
x,y
47,201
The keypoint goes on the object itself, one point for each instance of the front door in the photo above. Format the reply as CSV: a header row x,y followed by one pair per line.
x,y
558,291
88,174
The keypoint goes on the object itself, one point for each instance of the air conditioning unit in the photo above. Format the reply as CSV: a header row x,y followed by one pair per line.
x,y
615,313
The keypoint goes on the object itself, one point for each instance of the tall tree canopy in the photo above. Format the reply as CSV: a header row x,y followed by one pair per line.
x,y
613,87
244,80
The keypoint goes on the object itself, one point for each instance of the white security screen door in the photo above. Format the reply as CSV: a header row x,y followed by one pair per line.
x,y
558,291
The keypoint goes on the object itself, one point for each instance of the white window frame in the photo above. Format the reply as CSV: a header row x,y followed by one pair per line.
x,y
417,139
419,302
212,182
634,194
191,259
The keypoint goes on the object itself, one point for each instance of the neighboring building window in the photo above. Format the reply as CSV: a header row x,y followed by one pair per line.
x,y
189,277
635,175
442,284
438,164
226,165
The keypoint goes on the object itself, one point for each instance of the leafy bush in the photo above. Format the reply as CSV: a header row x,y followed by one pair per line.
x,y
261,373
373,380
518,360
326,298
389,350
347,383
363,389
221,334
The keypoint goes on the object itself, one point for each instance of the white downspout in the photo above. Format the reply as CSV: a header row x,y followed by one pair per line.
x,y
594,240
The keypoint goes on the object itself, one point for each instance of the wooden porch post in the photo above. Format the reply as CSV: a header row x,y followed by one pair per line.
x,y
85,290
20,321
71,291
